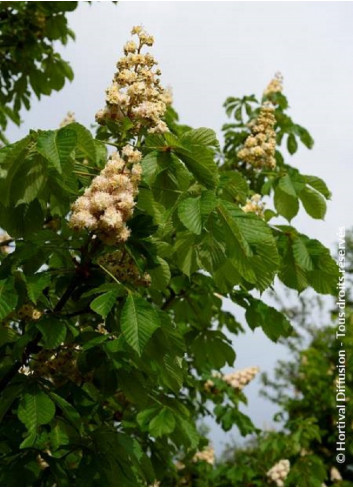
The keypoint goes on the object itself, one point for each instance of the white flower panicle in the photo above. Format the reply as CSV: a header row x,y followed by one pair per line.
x,y
254,205
207,455
260,146
108,203
70,117
136,92
122,266
275,85
240,378
279,472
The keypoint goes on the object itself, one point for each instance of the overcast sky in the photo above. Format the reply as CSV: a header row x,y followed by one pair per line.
x,y
210,50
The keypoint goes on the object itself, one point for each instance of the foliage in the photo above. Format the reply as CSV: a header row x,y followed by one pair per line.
x,y
304,388
103,379
28,59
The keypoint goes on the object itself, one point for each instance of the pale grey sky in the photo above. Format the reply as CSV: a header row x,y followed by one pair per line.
x,y
210,50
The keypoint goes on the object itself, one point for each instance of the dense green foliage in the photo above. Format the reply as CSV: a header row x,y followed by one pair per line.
x,y
103,379
28,59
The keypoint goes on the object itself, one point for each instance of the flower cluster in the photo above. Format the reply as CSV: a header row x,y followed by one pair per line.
x,y
108,202
240,378
207,455
58,366
122,266
260,146
278,473
70,117
136,92
27,312
254,205
275,85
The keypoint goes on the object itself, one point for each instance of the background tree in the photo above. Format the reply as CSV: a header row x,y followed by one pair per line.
x,y
304,389
29,61
113,333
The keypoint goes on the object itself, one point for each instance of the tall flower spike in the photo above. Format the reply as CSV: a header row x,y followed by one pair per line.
x,y
260,146
108,203
136,92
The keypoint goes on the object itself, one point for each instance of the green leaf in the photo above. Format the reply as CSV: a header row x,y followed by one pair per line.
x,y
85,144
292,144
8,297
234,186
318,184
7,335
23,220
103,304
57,146
53,332
198,155
36,284
35,409
286,204
8,396
160,275
274,324
194,211
139,320
251,250
201,136
286,185
68,410
313,202
162,424
212,350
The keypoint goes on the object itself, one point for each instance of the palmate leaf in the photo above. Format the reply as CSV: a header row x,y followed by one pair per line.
x,y
274,323
138,321
250,248
306,262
